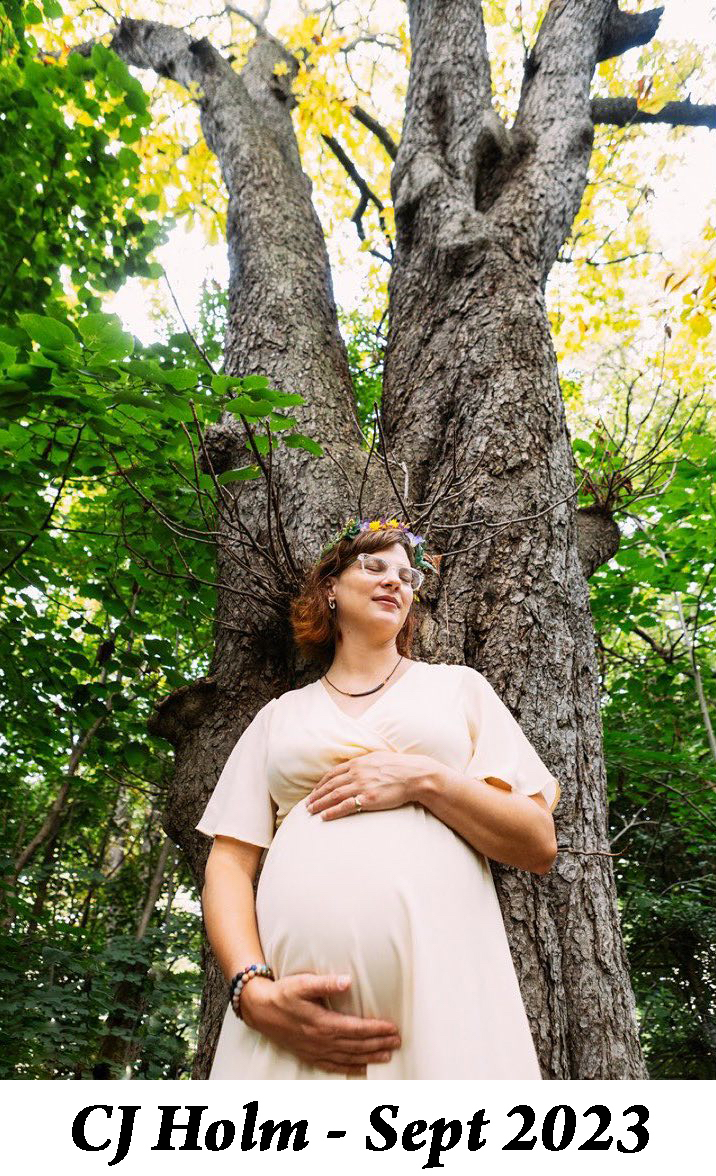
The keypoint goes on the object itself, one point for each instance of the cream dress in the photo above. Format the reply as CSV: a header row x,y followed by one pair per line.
x,y
395,898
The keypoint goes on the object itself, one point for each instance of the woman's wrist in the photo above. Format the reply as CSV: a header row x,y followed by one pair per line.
x,y
243,977
254,999
429,782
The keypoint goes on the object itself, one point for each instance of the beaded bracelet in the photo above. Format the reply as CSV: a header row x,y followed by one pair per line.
x,y
240,981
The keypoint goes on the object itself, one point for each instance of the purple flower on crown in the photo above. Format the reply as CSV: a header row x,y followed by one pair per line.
x,y
353,527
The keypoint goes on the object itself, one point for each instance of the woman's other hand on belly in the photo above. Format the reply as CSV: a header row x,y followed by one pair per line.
x,y
381,779
288,1011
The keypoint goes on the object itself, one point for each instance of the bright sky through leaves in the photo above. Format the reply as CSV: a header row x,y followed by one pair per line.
x,y
682,202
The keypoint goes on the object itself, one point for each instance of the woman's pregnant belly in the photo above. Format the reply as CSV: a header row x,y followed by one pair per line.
x,y
364,895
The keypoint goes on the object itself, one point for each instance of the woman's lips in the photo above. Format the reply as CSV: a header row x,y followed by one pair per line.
x,y
383,600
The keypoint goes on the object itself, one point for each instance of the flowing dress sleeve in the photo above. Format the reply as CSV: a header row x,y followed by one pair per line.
x,y
501,752
240,805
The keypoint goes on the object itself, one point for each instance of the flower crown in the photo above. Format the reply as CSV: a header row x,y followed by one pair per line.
x,y
353,527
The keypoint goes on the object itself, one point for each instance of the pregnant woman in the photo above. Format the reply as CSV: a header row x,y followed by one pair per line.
x,y
379,791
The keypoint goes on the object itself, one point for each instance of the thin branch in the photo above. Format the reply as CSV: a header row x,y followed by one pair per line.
x,y
590,852
367,193
45,522
187,328
624,112
383,136
500,526
626,30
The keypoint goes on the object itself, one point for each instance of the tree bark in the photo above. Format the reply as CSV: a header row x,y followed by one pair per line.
x,y
482,211
282,323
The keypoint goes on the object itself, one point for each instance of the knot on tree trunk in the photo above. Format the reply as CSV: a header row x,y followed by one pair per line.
x,y
203,53
498,151
224,445
148,45
411,180
183,709
598,538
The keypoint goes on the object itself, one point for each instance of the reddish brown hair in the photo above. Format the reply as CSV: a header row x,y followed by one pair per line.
x,y
313,623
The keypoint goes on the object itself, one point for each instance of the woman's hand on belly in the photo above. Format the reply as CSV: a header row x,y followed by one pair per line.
x,y
382,780
289,1013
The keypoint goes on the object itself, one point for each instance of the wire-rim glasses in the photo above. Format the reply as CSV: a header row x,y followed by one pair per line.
x,y
376,565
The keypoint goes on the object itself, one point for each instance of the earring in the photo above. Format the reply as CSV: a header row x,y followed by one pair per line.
x,y
331,604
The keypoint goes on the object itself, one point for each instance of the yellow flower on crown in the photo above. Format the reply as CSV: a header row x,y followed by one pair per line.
x,y
378,523
353,527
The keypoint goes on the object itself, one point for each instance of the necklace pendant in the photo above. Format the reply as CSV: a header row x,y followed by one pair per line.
x,y
363,693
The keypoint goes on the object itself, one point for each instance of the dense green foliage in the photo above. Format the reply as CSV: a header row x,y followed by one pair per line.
x,y
73,213
107,590
655,606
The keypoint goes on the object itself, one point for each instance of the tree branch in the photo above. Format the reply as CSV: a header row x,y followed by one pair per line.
x,y
448,110
255,98
554,117
258,73
366,192
598,538
624,112
383,136
169,51
625,30
259,22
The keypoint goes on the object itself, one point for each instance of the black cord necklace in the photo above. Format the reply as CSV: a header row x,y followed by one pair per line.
x,y
361,693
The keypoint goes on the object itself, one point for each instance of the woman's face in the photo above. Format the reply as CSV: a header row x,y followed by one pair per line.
x,y
357,594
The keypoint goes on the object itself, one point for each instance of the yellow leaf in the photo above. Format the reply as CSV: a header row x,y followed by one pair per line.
x,y
700,325
680,281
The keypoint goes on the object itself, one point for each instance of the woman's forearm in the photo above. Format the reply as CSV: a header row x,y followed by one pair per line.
x,y
230,917
503,825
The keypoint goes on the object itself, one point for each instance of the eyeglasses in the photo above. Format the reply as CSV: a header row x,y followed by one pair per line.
x,y
375,565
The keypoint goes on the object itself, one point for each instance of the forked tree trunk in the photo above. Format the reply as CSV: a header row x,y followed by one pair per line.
x,y
481,213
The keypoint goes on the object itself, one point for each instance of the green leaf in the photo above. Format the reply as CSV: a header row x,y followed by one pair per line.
x,y
287,399
255,383
94,327
129,132
261,443
244,406
48,332
181,378
223,384
137,103
298,441
147,369
8,354
242,475
278,423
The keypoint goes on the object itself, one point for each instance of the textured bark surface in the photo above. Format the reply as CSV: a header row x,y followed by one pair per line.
x,y
482,211
481,214
282,323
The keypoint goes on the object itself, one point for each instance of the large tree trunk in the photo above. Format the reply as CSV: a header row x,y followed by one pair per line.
x,y
481,213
